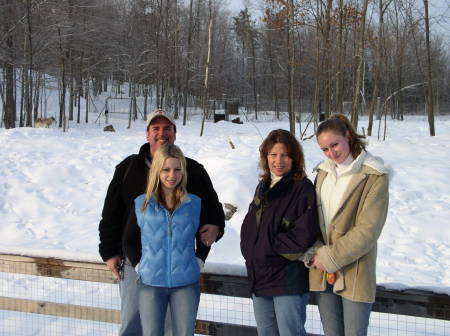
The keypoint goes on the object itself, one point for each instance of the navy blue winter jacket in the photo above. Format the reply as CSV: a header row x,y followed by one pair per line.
x,y
280,225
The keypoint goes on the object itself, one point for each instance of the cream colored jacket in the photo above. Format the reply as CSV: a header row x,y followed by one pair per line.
x,y
349,248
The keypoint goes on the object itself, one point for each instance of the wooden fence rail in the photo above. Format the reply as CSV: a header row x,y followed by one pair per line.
x,y
410,302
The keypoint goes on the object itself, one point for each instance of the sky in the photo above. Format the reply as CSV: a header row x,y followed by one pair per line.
x,y
439,11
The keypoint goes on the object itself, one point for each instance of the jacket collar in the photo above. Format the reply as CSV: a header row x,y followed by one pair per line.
x,y
144,155
363,162
152,202
363,166
279,189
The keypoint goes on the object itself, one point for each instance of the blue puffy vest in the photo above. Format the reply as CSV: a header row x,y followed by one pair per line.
x,y
168,242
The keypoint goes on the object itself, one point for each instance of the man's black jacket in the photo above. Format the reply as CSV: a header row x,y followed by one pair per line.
x,y
129,181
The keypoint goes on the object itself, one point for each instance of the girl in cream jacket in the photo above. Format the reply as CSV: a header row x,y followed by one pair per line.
x,y
352,199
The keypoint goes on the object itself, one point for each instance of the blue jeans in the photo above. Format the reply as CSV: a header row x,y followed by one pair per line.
x,y
153,302
129,310
280,315
342,317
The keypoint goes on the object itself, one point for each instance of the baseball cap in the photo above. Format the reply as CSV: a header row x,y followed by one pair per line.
x,y
160,113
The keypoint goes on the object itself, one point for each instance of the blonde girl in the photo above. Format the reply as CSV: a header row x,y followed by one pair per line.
x,y
161,240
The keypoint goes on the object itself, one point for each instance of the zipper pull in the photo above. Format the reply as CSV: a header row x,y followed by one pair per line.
x,y
331,278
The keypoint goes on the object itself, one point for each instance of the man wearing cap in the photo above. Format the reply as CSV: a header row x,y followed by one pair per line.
x,y
129,181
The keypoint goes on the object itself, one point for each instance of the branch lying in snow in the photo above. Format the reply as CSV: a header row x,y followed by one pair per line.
x,y
231,143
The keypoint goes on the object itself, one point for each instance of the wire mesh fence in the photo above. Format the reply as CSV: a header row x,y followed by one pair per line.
x,y
50,297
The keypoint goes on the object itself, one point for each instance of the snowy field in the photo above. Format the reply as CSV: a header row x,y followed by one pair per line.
x,y
52,187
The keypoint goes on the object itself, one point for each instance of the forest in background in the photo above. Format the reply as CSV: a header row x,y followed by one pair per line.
x,y
370,57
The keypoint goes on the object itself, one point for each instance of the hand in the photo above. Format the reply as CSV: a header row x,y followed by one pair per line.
x,y
317,264
201,264
208,234
114,266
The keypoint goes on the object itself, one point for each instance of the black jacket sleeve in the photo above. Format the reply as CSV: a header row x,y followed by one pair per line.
x,y
201,250
111,226
115,212
199,183
132,246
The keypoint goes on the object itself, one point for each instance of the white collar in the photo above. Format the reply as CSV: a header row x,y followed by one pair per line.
x,y
274,179
347,162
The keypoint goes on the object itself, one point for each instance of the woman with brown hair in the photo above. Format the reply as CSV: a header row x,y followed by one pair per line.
x,y
281,224
352,198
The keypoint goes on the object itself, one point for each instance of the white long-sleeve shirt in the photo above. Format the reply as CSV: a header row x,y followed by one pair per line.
x,y
335,184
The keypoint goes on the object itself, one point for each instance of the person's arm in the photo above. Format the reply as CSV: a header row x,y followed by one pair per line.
x,y
132,246
294,238
363,236
214,228
111,226
202,249
309,257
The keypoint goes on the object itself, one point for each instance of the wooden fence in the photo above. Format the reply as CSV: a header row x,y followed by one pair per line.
x,y
410,302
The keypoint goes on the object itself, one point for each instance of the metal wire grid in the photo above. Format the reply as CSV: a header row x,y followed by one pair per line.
x,y
27,324
33,293
38,294
400,325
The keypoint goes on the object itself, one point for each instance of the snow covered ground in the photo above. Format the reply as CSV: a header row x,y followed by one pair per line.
x,y
52,187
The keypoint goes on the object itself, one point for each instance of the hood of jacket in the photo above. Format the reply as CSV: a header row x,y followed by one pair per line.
x,y
364,162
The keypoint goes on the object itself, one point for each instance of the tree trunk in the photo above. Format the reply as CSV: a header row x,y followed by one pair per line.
x,y
145,100
255,89
62,99
328,56
10,102
79,81
378,66
208,59
291,64
272,74
430,96
340,67
188,63
359,69
37,95
87,96
22,98
71,89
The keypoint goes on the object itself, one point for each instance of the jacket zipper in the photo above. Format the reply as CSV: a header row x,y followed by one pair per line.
x,y
169,248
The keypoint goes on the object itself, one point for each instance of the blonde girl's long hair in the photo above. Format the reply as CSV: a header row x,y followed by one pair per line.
x,y
153,183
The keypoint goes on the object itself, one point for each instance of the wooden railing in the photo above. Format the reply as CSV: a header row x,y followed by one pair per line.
x,y
410,302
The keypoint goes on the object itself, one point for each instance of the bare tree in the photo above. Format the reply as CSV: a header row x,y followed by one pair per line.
x,y
359,58
208,59
8,19
430,95
382,6
246,33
